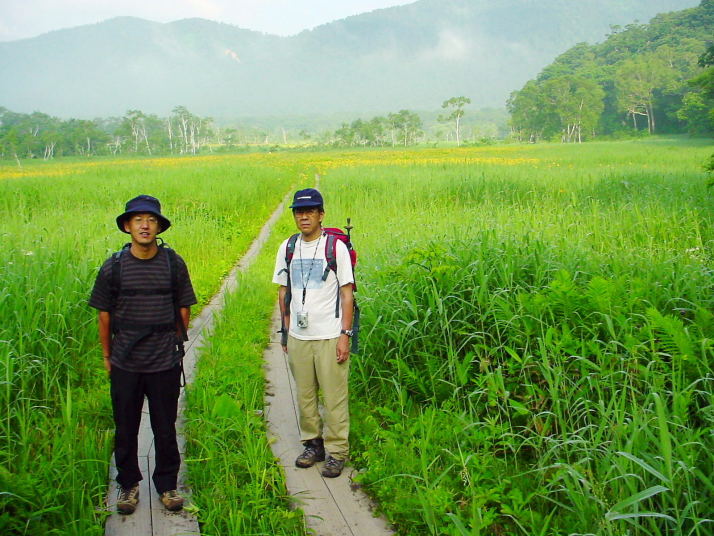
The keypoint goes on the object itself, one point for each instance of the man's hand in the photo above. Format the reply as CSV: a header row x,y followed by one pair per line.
x,y
286,327
343,348
284,314
107,364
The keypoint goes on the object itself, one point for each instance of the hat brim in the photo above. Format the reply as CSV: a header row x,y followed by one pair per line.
x,y
306,204
163,222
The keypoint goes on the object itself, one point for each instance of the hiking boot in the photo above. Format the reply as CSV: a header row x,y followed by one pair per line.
x,y
333,467
172,500
128,499
314,452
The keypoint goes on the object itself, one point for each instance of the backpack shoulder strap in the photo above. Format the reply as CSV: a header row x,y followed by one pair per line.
x,y
289,253
330,255
173,270
115,283
331,264
173,274
290,248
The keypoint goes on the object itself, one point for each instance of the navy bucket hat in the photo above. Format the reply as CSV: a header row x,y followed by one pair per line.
x,y
309,197
143,203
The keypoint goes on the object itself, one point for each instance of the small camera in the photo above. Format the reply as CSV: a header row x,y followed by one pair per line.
x,y
302,320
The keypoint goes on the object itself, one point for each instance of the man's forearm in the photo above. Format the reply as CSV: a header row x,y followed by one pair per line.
x,y
347,306
105,333
185,313
284,311
105,338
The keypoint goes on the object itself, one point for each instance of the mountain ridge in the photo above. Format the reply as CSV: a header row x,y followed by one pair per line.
x,y
412,56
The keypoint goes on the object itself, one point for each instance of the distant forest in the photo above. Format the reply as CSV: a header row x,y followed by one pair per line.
x,y
39,135
643,79
651,78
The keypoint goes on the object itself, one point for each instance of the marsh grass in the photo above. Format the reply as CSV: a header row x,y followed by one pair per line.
x,y
538,356
537,336
57,228
238,486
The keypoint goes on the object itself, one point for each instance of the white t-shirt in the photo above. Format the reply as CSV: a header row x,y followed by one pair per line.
x,y
306,270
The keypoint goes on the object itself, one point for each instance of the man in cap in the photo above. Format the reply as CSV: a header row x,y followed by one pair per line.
x,y
143,294
319,331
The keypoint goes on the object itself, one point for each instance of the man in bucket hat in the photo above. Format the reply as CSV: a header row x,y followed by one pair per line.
x,y
318,321
143,294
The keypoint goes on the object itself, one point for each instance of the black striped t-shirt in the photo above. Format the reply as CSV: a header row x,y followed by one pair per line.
x,y
145,300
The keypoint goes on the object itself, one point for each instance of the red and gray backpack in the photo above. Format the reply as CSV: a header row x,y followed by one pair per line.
x,y
332,235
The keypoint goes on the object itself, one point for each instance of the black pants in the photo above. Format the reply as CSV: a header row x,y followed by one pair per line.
x,y
162,391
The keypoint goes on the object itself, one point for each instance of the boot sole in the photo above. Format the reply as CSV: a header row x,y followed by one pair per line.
x,y
126,510
305,465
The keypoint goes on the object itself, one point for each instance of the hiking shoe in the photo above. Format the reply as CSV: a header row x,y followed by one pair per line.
x,y
128,499
333,467
314,452
172,500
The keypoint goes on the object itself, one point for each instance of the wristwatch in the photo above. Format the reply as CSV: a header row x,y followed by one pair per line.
x,y
347,332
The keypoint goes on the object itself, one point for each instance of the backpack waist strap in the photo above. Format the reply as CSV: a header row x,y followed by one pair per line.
x,y
118,325
144,292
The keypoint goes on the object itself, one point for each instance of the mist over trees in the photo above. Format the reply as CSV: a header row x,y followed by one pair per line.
x,y
403,128
39,135
643,78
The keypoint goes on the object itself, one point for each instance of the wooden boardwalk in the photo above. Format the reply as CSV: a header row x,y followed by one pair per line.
x,y
151,518
332,506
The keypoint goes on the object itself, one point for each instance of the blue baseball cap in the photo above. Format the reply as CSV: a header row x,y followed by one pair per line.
x,y
140,204
309,197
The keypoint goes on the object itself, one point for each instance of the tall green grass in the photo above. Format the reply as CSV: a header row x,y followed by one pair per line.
x,y
537,337
238,488
538,341
57,226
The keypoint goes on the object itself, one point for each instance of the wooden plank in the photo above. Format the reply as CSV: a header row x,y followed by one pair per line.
x,y
141,523
333,507
165,523
357,508
138,523
305,485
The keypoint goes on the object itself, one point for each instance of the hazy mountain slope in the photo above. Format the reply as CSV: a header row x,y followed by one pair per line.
x,y
422,53
412,56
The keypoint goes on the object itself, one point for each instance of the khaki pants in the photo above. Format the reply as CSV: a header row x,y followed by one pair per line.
x,y
314,366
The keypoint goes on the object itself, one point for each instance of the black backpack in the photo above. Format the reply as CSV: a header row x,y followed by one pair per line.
x,y
144,330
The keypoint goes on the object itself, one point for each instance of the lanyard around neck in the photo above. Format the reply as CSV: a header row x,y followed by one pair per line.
x,y
303,279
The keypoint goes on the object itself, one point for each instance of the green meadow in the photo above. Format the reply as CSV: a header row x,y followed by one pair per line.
x,y
57,228
537,336
538,341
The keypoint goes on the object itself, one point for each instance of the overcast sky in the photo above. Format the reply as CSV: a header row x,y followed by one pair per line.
x,y
28,18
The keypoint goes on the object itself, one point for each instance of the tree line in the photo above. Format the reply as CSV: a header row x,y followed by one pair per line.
x,y
402,128
38,135
642,78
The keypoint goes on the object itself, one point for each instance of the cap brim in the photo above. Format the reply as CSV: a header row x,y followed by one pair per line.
x,y
307,204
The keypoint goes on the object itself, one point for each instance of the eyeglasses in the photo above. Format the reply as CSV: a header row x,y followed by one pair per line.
x,y
305,210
